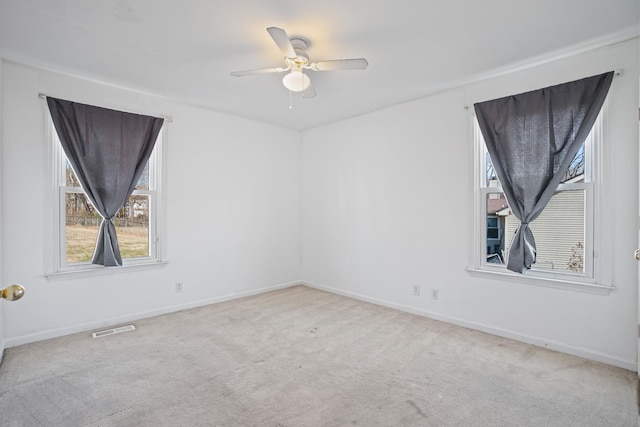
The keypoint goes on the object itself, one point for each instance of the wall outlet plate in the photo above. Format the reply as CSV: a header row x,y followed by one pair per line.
x,y
415,290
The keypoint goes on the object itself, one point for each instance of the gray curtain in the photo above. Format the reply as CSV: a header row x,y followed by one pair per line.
x,y
532,139
108,151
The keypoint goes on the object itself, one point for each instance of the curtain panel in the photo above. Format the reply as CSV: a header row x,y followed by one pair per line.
x,y
108,151
532,138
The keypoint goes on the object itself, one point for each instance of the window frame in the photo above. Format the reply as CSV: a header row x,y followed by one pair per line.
x,y
597,275
55,265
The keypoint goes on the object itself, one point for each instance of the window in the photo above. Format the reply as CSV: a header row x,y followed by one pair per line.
x,y
75,222
564,232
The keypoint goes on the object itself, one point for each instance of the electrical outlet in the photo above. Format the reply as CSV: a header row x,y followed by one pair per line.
x,y
434,293
415,289
178,287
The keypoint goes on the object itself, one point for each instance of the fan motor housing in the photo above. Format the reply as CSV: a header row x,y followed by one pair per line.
x,y
300,46
299,43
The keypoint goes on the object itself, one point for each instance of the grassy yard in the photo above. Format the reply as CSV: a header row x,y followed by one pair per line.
x,y
81,242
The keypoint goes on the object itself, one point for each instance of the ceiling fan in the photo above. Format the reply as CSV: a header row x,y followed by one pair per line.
x,y
296,60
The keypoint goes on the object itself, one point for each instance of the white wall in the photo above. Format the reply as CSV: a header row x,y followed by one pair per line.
x,y
232,193
388,201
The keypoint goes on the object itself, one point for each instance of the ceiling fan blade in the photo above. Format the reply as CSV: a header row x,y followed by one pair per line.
x,y
309,92
282,40
259,71
340,64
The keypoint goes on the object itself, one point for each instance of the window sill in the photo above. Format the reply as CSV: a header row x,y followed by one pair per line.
x,y
97,270
548,282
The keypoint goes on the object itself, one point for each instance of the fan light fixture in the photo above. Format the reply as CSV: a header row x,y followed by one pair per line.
x,y
296,81
296,61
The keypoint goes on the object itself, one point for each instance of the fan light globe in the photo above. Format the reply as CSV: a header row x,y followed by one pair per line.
x,y
296,81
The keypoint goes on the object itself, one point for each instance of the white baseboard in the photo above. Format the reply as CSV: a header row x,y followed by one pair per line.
x,y
83,327
630,365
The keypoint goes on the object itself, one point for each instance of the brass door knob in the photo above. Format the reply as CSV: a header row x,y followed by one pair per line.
x,y
12,293
637,254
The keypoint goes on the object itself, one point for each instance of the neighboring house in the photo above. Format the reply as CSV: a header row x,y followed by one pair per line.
x,y
496,208
140,207
558,231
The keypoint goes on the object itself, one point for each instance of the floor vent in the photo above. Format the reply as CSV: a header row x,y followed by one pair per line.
x,y
113,331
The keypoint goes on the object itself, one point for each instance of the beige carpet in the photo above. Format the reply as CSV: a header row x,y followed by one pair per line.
x,y
302,357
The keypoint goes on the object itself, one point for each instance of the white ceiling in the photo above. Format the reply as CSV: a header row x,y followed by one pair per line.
x,y
185,50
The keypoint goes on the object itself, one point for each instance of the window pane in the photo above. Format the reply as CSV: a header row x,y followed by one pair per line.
x,y
496,210
132,227
490,171
143,181
559,232
82,223
131,222
70,176
575,173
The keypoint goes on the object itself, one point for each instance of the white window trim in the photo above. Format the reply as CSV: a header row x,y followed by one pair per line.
x,y
55,267
598,240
